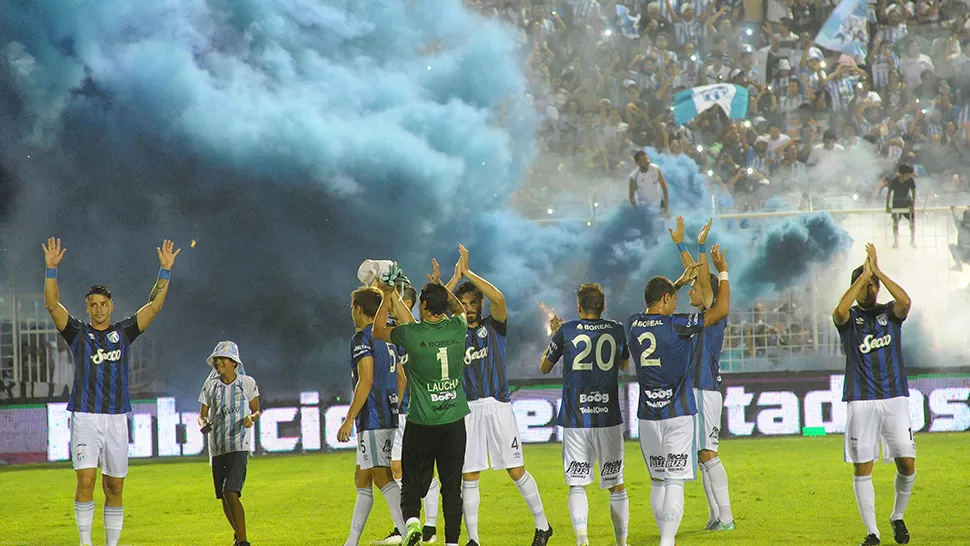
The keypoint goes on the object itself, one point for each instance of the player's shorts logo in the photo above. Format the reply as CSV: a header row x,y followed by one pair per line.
x,y
714,433
113,337
656,461
676,460
578,468
611,467
387,446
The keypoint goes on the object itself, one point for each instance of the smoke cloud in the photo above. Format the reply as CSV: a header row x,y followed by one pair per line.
x,y
293,139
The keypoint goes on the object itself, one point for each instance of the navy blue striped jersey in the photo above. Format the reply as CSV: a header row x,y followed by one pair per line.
x,y
484,375
380,409
591,351
872,340
100,365
705,372
660,349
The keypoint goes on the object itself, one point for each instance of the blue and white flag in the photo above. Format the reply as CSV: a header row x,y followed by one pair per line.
x,y
627,23
847,29
733,99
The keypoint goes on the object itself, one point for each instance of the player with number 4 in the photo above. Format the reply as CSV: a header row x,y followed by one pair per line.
x,y
493,434
660,347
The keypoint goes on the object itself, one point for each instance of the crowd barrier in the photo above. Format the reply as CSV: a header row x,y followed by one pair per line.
x,y
762,404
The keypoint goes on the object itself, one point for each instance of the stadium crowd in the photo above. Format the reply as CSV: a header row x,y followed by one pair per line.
x,y
603,75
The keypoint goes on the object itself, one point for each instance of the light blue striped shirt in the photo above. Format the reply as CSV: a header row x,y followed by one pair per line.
x,y
228,407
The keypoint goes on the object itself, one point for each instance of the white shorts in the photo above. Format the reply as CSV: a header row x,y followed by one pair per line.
x,y
492,436
374,448
668,447
100,438
707,422
398,440
869,421
583,447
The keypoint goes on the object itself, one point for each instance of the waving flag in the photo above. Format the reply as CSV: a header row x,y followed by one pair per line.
x,y
847,29
733,99
627,23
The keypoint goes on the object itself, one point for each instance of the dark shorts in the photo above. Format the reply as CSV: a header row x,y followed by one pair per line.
x,y
898,215
229,472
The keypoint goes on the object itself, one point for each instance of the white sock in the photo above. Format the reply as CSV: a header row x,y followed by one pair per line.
x,y
657,491
904,488
365,501
719,487
711,501
673,512
400,483
620,514
865,497
470,498
530,492
431,503
392,495
579,512
84,515
114,517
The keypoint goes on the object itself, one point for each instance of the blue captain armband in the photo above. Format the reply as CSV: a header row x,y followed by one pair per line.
x,y
682,247
165,274
51,273
702,249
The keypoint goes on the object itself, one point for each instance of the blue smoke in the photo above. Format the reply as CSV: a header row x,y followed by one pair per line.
x,y
293,139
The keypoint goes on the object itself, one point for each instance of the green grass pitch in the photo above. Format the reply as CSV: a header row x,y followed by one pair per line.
x,y
783,491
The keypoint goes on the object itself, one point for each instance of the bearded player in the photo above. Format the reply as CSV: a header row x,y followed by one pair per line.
x,y
492,432
100,400
876,390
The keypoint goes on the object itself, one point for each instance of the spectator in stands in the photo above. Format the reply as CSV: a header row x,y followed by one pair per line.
x,y
961,250
901,194
648,188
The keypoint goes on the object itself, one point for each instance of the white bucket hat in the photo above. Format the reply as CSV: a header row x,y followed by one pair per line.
x,y
225,349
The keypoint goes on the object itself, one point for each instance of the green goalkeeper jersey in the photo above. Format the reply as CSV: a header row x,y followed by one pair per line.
x,y
436,358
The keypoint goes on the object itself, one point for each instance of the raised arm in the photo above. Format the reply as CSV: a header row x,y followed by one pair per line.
x,y
704,273
841,314
677,236
401,312
547,364
902,301
382,330
365,378
495,297
53,254
166,259
723,304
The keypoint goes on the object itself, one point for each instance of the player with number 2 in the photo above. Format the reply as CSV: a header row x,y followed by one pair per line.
x,y
660,346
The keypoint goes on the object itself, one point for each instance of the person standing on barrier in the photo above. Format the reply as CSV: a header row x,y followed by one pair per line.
x,y
901,194
961,250
876,390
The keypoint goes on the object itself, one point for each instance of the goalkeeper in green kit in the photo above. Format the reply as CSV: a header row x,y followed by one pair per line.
x,y
435,431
